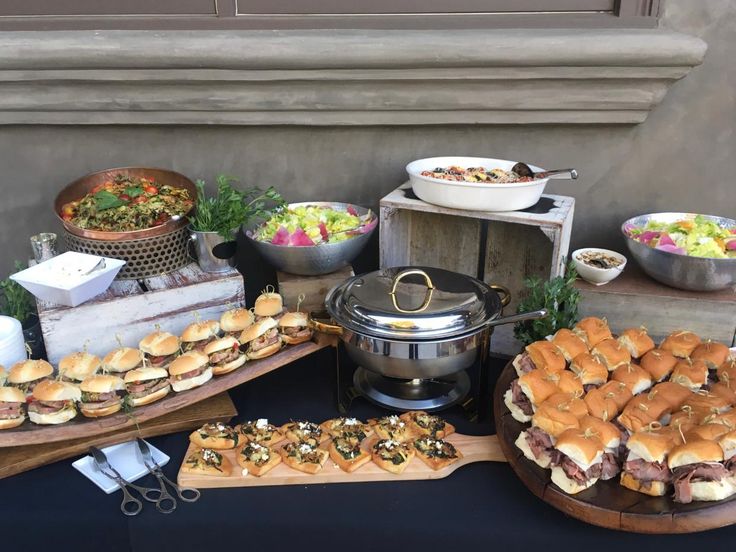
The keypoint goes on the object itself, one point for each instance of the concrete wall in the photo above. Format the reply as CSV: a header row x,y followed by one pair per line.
x,y
681,158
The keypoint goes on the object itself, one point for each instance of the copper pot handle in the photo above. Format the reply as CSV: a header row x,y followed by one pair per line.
x,y
322,322
427,296
503,291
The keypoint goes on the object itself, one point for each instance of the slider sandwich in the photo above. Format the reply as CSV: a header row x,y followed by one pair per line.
x,y
569,344
618,392
601,405
160,348
77,367
548,422
568,402
726,389
122,360
590,370
568,382
634,377
680,343
659,364
612,354
727,370
727,443
610,436
692,374
705,432
234,321
189,370
224,355
592,330
645,469
707,402
146,385
643,410
26,374
12,407
698,472
294,328
636,341
673,393
577,460
714,354
540,355
531,389
269,304
262,339
101,395
198,335
53,402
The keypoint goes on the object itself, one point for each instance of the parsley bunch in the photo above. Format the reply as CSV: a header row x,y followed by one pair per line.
x,y
230,208
559,296
15,301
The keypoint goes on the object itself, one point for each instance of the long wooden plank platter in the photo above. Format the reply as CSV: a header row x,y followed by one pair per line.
x,y
32,434
483,448
215,409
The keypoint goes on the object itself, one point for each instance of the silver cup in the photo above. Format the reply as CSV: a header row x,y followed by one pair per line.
x,y
214,253
44,246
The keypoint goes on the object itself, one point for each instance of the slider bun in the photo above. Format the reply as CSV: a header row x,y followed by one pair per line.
x,y
51,390
537,385
692,374
159,344
52,419
592,330
658,363
257,329
199,331
29,370
516,412
102,384
191,383
634,377
542,462
296,340
79,366
652,403
12,394
122,359
569,344
567,382
636,341
268,304
707,432
673,393
293,320
727,370
652,446
618,392
152,397
221,344
187,362
546,356
606,432
567,402
589,369
654,488
600,406
611,353
236,320
694,452
145,374
554,421
266,351
585,449
568,485
704,400
635,420
714,354
728,444
724,390
11,423
712,490
680,343
222,369
100,412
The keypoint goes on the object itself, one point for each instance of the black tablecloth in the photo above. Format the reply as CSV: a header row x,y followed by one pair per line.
x,y
480,506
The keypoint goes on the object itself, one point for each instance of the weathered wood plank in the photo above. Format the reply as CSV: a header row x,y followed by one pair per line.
x,y
314,288
444,242
187,276
393,226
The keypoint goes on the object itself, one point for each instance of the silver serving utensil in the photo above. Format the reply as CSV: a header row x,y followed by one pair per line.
x,y
187,494
522,169
99,266
130,506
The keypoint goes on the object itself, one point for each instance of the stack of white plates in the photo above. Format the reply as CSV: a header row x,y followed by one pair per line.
x,y
12,346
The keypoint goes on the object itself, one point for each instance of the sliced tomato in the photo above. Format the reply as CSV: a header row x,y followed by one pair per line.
x,y
161,219
140,199
68,209
151,190
66,217
124,197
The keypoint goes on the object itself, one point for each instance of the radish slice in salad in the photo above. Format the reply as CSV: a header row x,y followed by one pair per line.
x,y
300,238
696,236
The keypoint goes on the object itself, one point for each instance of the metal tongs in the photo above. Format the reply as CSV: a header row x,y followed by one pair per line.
x,y
187,494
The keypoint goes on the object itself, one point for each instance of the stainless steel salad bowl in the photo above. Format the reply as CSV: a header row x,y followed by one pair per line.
x,y
681,271
313,260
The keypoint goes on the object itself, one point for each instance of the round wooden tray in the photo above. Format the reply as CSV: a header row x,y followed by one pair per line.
x,y
607,503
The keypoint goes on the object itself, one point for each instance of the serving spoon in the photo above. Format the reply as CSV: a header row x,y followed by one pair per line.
x,y
522,169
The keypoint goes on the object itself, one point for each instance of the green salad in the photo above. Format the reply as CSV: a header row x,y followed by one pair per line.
x,y
696,237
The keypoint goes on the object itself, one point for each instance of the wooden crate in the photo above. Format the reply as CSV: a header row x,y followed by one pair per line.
x,y
634,299
132,308
314,288
501,248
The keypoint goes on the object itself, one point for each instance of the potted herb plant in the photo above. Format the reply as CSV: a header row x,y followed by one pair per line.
x,y
217,219
15,301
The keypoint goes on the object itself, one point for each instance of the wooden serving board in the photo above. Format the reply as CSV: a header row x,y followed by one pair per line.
x,y
215,409
32,434
473,448
607,503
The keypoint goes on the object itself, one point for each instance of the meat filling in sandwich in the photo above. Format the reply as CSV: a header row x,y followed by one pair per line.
x,y
223,357
96,401
50,407
10,410
138,390
684,476
519,398
268,338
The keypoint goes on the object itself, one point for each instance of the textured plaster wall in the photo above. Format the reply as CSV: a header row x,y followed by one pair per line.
x,y
681,158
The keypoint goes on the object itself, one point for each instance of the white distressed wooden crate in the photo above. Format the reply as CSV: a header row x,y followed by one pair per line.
x,y
313,288
132,308
500,248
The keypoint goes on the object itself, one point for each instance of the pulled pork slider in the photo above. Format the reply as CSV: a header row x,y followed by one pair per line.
x,y
714,354
189,370
53,402
537,442
234,321
294,328
262,339
75,368
645,469
569,344
592,330
101,395
146,385
590,370
199,335
12,407
680,343
160,348
269,304
690,373
658,363
636,341
541,355
525,392
122,360
577,461
634,377
611,353
224,355
26,374
610,436
698,472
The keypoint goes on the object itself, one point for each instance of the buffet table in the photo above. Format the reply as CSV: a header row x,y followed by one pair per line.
x,y
482,506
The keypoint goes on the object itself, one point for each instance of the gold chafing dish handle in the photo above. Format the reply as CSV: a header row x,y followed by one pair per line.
x,y
503,291
321,322
427,295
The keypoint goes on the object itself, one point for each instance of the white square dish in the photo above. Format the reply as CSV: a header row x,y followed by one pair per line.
x,y
125,458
